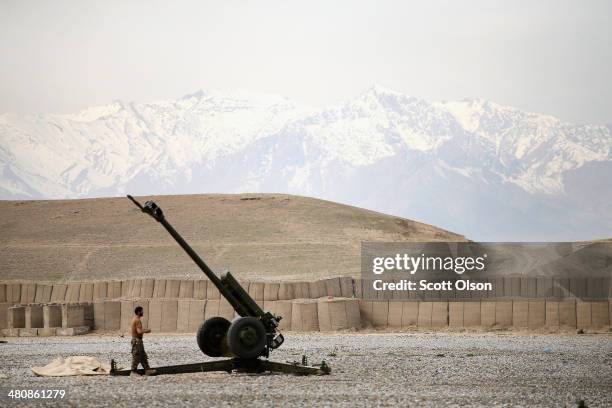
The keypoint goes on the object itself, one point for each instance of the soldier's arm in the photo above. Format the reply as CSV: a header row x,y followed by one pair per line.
x,y
140,330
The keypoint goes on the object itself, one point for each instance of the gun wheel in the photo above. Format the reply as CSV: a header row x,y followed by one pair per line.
x,y
211,336
246,337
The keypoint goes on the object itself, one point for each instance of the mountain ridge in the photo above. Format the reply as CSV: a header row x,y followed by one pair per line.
x,y
371,151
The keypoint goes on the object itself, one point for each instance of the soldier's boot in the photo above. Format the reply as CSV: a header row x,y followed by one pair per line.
x,y
135,374
150,371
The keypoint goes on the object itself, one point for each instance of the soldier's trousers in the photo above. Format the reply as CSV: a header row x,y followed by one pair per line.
x,y
139,356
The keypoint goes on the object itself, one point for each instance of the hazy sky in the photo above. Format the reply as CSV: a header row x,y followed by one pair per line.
x,y
547,56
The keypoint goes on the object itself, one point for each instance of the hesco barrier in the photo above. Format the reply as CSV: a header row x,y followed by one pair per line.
x,y
174,305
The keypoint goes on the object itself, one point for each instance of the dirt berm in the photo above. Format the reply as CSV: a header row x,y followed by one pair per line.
x,y
256,236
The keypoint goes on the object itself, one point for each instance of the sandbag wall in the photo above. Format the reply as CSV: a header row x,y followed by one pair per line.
x,y
516,314
515,302
38,319
173,305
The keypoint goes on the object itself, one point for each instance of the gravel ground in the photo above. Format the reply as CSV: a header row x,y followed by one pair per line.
x,y
369,369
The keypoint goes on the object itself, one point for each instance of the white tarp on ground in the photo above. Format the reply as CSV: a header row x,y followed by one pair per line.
x,y
75,365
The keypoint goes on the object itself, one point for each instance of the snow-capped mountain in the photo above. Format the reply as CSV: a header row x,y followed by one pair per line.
x,y
488,171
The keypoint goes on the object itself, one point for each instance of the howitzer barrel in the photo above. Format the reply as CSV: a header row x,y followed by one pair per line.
x,y
241,308
254,334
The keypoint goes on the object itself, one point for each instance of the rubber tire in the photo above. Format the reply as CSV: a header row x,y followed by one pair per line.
x,y
237,346
211,336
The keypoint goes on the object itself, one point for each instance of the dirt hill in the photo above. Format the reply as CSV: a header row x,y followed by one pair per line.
x,y
256,236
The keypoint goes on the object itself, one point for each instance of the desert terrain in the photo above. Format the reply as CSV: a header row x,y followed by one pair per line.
x,y
368,369
256,236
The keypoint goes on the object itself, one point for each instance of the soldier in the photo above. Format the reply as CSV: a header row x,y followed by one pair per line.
x,y
139,356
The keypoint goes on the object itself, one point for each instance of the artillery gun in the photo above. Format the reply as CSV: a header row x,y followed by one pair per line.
x,y
252,335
